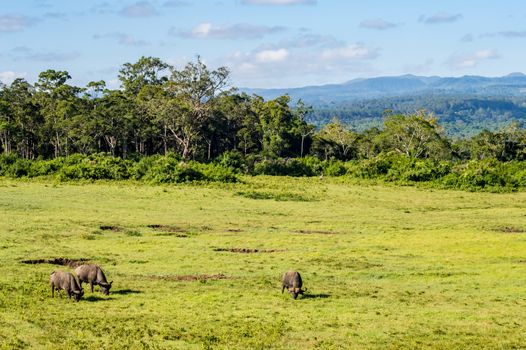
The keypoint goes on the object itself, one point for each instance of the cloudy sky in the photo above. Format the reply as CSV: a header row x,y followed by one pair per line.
x,y
265,43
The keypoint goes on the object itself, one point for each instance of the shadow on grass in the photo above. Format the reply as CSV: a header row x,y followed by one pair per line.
x,y
125,291
95,298
316,296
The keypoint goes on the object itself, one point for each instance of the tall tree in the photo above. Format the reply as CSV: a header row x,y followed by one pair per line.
x,y
134,77
336,140
304,129
193,93
416,135
58,103
277,125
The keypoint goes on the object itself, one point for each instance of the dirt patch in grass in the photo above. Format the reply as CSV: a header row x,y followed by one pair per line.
x,y
169,230
319,232
279,197
246,250
166,228
509,229
58,261
234,230
190,278
110,228
172,234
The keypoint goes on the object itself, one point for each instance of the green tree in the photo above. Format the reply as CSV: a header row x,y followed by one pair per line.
x,y
193,93
276,121
335,140
416,135
58,103
304,129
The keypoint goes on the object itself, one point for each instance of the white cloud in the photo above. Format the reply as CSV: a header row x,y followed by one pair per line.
x,y
354,52
202,30
139,9
122,39
272,56
8,76
176,3
207,30
441,17
506,34
279,65
378,23
15,23
279,2
471,60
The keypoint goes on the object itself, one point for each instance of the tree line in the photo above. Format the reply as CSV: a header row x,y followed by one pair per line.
x,y
196,114
462,115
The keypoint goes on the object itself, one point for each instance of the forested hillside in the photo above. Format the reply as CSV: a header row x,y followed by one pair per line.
x,y
196,114
461,115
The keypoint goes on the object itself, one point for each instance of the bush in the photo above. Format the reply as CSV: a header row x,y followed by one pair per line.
x,y
376,167
417,170
6,161
481,174
94,167
233,160
487,174
19,168
335,168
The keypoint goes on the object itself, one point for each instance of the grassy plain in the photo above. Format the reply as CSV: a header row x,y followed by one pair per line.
x,y
386,267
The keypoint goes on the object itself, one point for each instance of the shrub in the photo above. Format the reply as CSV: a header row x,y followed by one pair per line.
x,y
372,168
481,174
232,160
19,168
335,168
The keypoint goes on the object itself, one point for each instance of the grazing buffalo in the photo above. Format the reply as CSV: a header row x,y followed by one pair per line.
x,y
292,281
93,274
63,280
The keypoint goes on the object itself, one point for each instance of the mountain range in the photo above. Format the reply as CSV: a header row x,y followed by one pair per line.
x,y
513,84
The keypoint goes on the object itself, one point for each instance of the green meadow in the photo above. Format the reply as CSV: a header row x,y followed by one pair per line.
x,y
199,266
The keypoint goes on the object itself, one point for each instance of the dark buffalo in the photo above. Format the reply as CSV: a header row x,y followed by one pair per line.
x,y
63,280
93,275
292,281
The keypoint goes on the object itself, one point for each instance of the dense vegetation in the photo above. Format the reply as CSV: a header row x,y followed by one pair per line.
x,y
170,125
461,115
199,267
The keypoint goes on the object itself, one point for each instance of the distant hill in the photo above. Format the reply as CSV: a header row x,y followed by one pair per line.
x,y
358,89
464,105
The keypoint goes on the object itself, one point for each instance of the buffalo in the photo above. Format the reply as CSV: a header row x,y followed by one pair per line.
x,y
93,275
292,281
63,280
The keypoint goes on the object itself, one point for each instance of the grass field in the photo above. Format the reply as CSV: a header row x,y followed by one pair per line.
x,y
386,267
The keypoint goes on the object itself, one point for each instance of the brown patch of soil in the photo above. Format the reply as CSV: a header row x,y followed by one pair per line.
x,y
246,250
308,232
172,234
219,276
58,261
110,228
234,230
509,229
166,228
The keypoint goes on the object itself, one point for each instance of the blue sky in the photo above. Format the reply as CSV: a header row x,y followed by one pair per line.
x,y
265,43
